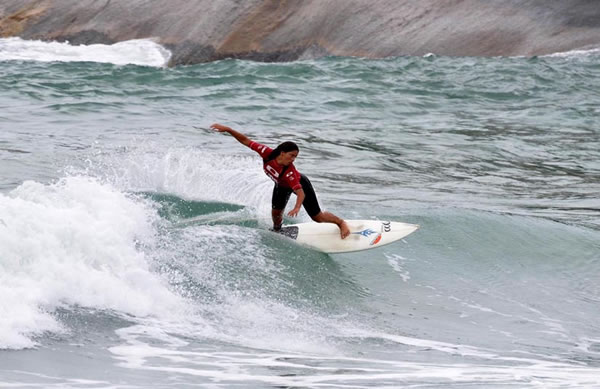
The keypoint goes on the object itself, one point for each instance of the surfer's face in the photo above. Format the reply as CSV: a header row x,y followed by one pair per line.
x,y
286,158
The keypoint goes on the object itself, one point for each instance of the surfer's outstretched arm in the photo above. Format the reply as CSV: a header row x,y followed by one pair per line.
x,y
243,139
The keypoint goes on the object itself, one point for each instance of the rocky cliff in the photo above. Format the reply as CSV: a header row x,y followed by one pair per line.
x,y
282,30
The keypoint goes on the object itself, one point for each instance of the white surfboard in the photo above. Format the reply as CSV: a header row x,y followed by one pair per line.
x,y
364,235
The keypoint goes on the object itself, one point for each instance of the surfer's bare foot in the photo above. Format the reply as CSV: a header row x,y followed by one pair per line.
x,y
328,217
344,230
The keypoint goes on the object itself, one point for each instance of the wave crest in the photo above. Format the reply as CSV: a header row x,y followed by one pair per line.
x,y
143,52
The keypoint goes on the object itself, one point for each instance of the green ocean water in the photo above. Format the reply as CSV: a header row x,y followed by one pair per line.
x,y
133,239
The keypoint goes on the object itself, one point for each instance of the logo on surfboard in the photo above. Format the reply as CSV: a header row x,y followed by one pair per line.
x,y
367,233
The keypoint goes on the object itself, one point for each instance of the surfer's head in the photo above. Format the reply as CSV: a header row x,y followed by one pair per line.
x,y
285,153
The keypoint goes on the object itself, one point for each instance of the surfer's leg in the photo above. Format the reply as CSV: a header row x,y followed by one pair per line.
x,y
328,217
278,203
277,215
311,205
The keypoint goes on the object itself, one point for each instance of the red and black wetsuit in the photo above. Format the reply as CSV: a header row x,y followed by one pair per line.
x,y
285,184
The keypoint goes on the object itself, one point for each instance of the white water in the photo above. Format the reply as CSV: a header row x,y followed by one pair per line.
x,y
79,242
136,52
576,53
73,243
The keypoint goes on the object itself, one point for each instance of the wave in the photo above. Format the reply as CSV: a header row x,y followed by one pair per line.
x,y
143,52
581,53
79,243
190,269
74,243
165,229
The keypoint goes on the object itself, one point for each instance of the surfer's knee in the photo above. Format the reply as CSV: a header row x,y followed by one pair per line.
x,y
327,217
319,217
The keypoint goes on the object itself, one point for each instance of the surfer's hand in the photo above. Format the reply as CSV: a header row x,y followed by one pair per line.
x,y
220,128
294,212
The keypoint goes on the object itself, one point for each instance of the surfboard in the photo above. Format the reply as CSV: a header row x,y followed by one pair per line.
x,y
364,235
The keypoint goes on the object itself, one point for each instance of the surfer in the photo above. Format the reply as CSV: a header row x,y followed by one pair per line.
x,y
278,164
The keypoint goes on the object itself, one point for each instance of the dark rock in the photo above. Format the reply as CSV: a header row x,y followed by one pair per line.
x,y
86,37
287,30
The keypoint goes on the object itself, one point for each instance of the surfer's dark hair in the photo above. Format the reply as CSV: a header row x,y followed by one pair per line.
x,y
285,147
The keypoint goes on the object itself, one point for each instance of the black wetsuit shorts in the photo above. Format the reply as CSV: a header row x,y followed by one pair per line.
x,y
281,195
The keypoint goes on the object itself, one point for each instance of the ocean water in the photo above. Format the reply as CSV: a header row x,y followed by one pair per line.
x,y
134,249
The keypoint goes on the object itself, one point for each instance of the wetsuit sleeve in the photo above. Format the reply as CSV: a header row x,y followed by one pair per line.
x,y
263,150
292,178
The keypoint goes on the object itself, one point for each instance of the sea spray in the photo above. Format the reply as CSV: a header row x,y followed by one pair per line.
x,y
193,173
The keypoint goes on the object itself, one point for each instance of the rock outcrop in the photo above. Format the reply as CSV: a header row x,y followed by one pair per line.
x,y
284,30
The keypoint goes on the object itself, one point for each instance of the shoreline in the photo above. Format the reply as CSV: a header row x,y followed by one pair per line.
x,y
281,31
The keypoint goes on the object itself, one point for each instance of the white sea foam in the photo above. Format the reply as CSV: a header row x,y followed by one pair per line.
x,y
170,355
576,53
137,52
396,262
234,268
75,242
